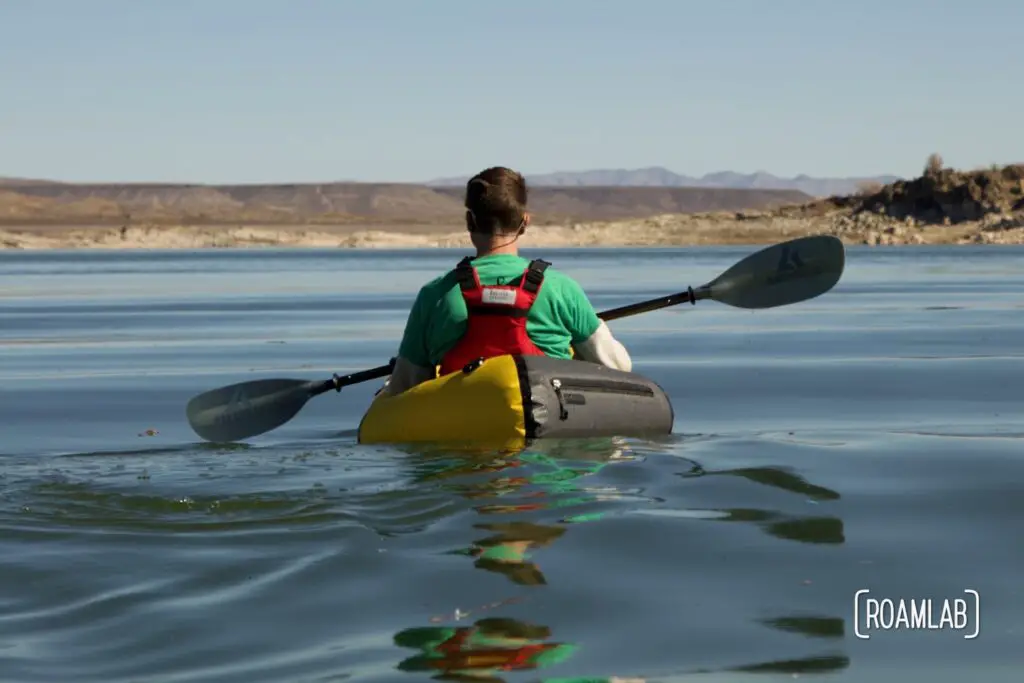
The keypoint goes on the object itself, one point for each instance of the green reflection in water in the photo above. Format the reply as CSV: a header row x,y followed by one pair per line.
x,y
479,652
546,475
553,475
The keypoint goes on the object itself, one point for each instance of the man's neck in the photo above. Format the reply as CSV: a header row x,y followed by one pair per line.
x,y
510,250
499,245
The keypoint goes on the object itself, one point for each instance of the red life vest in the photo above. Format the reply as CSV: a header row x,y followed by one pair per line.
x,y
497,316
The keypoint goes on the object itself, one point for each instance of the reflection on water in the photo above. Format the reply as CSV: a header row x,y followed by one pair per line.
x,y
781,479
480,651
804,665
519,507
819,627
548,475
822,529
535,477
496,645
506,551
544,477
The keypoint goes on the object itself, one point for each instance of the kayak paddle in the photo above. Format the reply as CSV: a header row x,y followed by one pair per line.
x,y
778,275
246,409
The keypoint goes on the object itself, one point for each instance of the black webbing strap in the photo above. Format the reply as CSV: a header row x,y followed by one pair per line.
x,y
464,274
535,275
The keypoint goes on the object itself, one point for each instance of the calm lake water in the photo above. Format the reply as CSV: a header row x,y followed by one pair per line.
x,y
872,439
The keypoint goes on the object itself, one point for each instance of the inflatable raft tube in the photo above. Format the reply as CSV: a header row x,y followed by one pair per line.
x,y
514,399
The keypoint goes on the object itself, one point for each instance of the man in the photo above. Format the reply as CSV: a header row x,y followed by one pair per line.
x,y
498,302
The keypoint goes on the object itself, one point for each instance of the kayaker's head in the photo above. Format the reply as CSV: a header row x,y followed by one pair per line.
x,y
496,210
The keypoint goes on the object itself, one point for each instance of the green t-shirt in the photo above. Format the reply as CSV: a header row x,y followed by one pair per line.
x,y
560,317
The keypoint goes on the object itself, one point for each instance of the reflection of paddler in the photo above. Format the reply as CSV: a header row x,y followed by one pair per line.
x,y
445,470
501,486
491,644
506,551
555,480
587,456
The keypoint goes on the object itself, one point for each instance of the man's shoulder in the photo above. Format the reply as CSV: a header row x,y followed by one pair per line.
x,y
430,295
556,281
439,285
560,279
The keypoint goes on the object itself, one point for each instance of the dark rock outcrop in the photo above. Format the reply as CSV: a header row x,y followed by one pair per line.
x,y
944,195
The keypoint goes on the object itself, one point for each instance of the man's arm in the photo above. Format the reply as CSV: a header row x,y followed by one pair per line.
x,y
412,363
405,375
601,347
591,337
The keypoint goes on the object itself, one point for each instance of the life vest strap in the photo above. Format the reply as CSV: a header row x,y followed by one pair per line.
x,y
465,275
534,275
530,281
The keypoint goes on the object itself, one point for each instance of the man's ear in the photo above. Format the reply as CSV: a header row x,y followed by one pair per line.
x,y
526,223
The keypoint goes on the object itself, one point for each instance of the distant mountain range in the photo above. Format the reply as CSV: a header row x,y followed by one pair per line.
x,y
560,197
658,176
11,182
47,203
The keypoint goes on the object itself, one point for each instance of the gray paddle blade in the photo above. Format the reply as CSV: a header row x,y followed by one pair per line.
x,y
782,274
242,410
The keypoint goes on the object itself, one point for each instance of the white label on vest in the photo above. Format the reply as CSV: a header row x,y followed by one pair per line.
x,y
505,297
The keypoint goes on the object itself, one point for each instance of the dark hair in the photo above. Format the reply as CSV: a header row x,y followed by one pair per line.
x,y
495,201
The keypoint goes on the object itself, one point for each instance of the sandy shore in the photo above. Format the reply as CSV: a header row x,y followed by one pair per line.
x,y
667,230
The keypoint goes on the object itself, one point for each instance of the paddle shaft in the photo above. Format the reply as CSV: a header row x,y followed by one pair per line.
x,y
693,296
690,295
339,381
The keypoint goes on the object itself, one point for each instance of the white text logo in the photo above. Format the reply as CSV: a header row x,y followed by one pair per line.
x,y
916,614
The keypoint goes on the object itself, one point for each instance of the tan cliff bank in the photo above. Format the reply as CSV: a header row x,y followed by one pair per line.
x,y
942,206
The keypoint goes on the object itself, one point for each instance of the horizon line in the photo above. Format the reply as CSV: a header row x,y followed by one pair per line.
x,y
14,180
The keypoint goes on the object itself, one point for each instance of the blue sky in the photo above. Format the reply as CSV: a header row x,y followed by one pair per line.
x,y
409,90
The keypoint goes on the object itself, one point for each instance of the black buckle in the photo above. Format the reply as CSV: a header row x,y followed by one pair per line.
x,y
464,274
534,275
473,365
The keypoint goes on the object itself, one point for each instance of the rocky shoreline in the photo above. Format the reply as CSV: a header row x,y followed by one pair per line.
x,y
943,206
666,230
